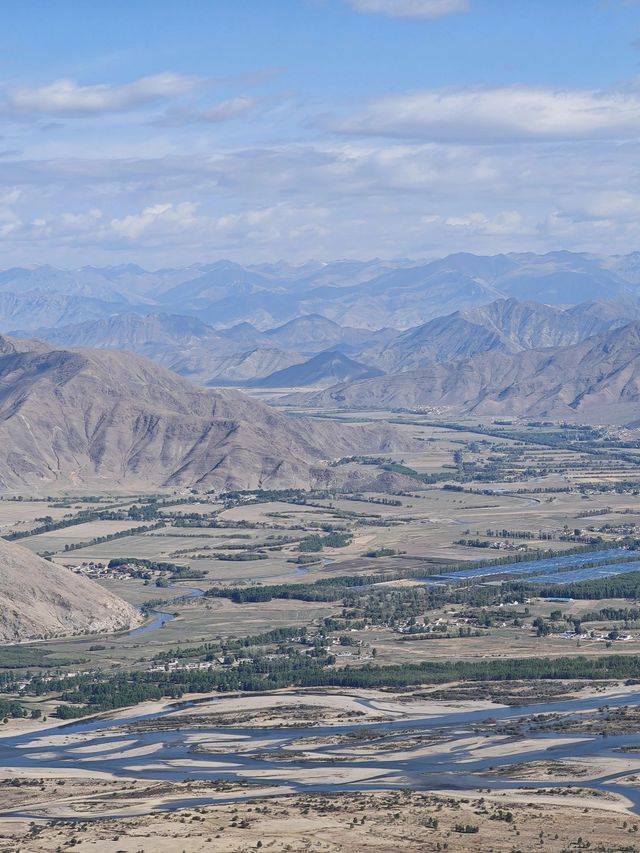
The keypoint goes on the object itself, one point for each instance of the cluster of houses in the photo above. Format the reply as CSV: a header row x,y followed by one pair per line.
x,y
597,637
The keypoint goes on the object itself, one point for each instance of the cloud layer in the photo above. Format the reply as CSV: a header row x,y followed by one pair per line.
x,y
320,200
417,9
505,113
163,170
67,98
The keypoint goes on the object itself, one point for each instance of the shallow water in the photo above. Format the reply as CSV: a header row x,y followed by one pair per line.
x,y
450,764
161,617
551,564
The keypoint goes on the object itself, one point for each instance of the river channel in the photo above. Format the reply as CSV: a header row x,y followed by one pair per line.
x,y
173,753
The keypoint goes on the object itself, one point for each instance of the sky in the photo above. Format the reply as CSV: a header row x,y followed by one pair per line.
x,y
166,133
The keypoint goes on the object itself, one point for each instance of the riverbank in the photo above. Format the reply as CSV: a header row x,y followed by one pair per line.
x,y
221,750
462,822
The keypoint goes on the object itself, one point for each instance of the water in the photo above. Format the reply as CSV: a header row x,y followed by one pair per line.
x,y
451,763
590,574
161,617
550,564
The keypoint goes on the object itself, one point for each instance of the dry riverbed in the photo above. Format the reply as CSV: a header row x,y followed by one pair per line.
x,y
469,822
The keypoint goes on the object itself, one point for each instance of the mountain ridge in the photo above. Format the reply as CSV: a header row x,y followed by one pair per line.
x,y
103,416
596,380
364,294
40,599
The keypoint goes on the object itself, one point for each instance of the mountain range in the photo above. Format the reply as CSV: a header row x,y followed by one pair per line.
x,y
362,294
373,331
596,380
106,418
317,352
505,325
225,324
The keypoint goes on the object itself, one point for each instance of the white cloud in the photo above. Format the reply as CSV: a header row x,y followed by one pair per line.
x,y
223,111
505,223
420,9
498,114
67,98
184,225
319,200
157,219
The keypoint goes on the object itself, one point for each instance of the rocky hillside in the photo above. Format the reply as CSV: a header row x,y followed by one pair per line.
x,y
505,325
322,370
596,380
39,599
107,418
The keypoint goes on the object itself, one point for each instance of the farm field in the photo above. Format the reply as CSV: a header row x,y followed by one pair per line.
x,y
499,571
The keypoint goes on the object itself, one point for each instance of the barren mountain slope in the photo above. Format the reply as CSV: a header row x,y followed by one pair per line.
x,y
320,371
505,325
39,599
183,344
597,380
103,418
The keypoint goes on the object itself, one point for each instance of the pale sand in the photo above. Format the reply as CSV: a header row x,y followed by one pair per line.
x,y
55,773
300,828
103,747
89,805
212,746
328,775
64,740
607,766
216,702
345,702
497,747
433,707
186,764
612,803
22,726
478,748
148,749
221,738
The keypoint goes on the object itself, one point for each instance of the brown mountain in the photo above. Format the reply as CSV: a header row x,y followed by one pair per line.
x,y
183,344
596,380
39,599
320,371
505,325
105,418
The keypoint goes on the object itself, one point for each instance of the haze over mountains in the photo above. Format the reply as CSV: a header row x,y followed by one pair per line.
x,y
361,294
223,324
451,332
596,380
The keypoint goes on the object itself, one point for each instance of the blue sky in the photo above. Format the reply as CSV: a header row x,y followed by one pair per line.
x,y
172,132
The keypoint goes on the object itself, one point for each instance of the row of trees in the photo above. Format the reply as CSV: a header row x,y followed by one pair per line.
x,y
301,670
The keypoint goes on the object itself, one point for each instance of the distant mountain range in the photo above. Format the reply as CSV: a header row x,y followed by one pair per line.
x,y
99,417
236,355
318,325
360,294
315,351
596,380
506,325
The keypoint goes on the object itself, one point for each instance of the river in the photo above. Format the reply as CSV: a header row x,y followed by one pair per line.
x,y
450,763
